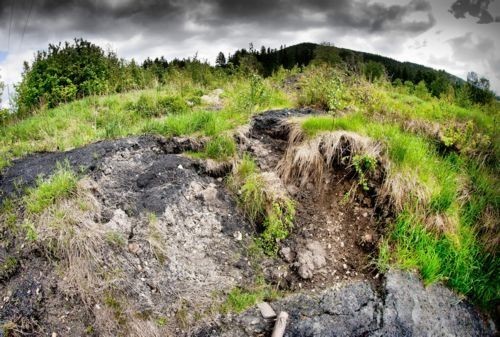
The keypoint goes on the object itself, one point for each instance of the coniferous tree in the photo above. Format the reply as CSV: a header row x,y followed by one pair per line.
x,y
220,60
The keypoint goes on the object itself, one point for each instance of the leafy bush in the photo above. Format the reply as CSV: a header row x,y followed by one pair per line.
x,y
63,73
322,87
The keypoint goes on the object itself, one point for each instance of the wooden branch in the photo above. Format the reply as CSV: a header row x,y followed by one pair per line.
x,y
279,327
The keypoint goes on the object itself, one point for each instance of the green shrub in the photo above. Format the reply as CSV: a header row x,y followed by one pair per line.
x,y
322,87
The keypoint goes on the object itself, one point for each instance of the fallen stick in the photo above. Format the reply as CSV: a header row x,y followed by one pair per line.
x,y
279,327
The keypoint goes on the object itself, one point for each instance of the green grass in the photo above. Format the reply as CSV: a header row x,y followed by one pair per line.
x,y
454,254
164,110
240,299
457,259
60,185
274,215
221,147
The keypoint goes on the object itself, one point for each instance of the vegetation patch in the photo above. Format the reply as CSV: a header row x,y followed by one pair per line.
x,y
264,203
60,185
440,213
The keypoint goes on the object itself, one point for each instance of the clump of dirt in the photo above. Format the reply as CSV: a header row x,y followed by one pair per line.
x,y
337,223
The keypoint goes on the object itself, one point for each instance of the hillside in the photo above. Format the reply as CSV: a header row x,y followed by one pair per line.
x,y
184,195
304,53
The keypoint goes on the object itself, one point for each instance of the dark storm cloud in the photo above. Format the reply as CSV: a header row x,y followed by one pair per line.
x,y
475,8
119,18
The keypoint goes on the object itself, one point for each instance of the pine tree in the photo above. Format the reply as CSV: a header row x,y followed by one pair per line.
x,y
220,61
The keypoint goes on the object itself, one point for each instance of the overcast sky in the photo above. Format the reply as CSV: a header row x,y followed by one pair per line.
x,y
458,36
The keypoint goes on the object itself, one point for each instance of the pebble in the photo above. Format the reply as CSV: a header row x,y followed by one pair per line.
x,y
266,310
342,244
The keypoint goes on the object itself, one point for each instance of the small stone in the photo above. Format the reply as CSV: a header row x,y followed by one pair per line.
x,y
266,310
342,244
180,167
54,334
344,266
238,236
134,248
286,252
368,238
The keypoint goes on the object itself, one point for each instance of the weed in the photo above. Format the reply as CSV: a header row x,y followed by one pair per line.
x,y
161,321
278,222
89,330
116,306
29,228
240,299
156,239
182,315
8,267
363,165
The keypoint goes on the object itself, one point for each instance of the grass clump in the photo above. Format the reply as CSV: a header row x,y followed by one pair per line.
x,y
263,203
155,105
240,299
220,147
60,185
277,225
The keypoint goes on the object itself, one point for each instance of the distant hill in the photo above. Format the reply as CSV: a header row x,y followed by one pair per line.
x,y
303,53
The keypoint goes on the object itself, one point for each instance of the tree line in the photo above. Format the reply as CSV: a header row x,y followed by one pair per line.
x,y
72,70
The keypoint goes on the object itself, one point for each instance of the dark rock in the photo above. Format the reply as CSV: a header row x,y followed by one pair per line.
x,y
403,308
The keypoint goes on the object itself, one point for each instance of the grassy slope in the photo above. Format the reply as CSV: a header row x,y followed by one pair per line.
x,y
163,110
455,187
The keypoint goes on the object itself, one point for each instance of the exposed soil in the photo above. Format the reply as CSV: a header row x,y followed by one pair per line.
x,y
335,215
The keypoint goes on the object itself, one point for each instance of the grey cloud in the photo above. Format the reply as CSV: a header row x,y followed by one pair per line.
x,y
470,47
475,8
116,19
